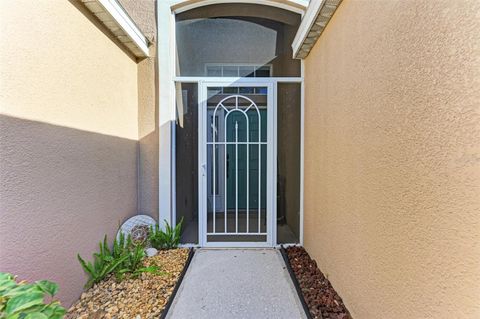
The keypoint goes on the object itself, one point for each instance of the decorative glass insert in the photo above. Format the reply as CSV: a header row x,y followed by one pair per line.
x,y
247,71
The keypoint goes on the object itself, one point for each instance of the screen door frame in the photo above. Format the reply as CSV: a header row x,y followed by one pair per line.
x,y
271,178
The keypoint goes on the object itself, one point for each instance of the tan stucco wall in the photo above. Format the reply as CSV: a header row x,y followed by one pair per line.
x,y
68,140
392,157
143,13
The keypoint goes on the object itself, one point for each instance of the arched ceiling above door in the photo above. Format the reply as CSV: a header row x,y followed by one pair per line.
x,y
297,6
246,11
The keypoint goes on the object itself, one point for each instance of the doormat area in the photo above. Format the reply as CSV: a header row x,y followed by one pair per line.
x,y
320,298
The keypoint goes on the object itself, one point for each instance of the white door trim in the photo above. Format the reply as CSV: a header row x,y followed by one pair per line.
x,y
271,161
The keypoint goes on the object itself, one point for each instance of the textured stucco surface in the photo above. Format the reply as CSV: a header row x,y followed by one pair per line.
x,y
148,138
143,13
61,62
392,157
68,146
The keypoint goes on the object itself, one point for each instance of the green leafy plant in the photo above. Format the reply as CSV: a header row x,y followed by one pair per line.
x,y
26,301
103,264
135,253
165,239
124,258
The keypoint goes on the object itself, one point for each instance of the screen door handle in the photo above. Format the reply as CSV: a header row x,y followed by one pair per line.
x,y
228,165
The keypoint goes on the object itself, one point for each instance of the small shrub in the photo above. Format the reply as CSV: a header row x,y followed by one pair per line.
x,y
165,239
133,263
103,264
124,258
24,300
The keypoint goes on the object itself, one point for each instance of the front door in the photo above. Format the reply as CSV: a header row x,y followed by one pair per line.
x,y
237,164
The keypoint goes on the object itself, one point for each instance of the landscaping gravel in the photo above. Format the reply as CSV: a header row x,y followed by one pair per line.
x,y
322,300
143,297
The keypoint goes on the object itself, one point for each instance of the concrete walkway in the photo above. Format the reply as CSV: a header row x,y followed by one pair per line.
x,y
236,283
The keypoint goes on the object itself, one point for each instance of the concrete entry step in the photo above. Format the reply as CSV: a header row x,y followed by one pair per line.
x,y
236,283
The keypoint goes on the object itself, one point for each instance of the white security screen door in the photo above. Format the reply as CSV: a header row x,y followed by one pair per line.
x,y
237,166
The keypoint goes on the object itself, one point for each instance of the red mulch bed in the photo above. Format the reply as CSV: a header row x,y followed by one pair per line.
x,y
322,300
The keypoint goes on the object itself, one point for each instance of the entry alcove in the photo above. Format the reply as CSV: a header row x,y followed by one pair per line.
x,y
236,41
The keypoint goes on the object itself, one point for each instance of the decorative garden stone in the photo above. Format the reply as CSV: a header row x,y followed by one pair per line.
x,y
151,252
